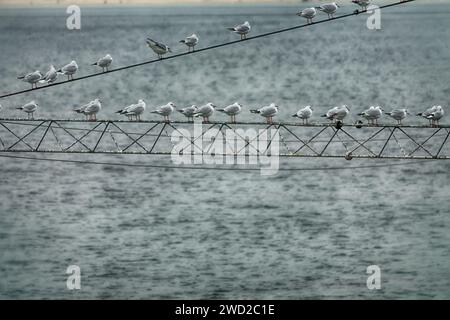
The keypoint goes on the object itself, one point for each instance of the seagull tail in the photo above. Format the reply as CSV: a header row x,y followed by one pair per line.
x,y
21,77
19,108
120,111
182,41
324,116
419,114
388,113
360,114
231,29
221,110
295,116
254,111
94,64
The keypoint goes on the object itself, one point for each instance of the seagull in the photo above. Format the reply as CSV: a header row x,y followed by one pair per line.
x,y
398,114
433,114
308,13
337,113
135,110
268,112
189,112
104,62
32,78
242,29
304,114
362,3
329,8
29,108
191,42
205,111
91,109
158,48
50,76
81,109
232,110
69,69
372,114
165,110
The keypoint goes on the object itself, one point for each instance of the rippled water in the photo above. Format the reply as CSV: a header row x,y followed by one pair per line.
x,y
148,233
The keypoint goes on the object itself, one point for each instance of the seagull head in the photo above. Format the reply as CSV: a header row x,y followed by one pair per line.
x,y
336,5
212,105
246,23
172,104
310,108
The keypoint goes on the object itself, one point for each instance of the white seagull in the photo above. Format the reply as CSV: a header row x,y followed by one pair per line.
x,y
329,8
398,114
268,112
308,13
242,29
135,110
232,110
69,69
304,114
205,111
165,110
104,62
158,48
337,113
190,42
372,114
50,76
29,108
362,3
32,78
433,114
189,112
91,109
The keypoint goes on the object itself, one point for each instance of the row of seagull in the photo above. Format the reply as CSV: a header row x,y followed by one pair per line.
x,y
135,111
69,70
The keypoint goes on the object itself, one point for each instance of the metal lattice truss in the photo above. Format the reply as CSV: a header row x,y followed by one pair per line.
x,y
291,139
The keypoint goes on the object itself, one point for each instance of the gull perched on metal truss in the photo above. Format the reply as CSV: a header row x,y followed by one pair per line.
x,y
190,42
205,112
90,109
242,29
69,69
329,8
433,114
398,114
232,110
158,48
134,110
268,112
50,76
104,62
304,114
362,3
165,110
29,108
372,114
337,113
32,78
189,112
308,13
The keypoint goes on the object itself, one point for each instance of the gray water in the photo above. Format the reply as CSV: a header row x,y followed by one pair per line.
x,y
153,233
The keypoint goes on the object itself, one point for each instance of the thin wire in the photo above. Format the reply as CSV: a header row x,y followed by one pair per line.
x,y
203,49
208,168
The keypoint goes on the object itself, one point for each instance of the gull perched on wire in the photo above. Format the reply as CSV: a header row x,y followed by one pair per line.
x,y
190,42
268,112
158,48
242,29
189,112
104,62
165,110
69,69
372,114
329,8
433,114
304,114
32,78
308,13
90,110
205,112
337,113
29,108
50,76
134,110
398,114
232,110
362,3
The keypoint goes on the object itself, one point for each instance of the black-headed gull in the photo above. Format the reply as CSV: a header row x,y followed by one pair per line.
x,y
304,114
205,111
69,69
267,112
134,110
232,110
104,62
32,78
308,13
165,110
158,48
433,114
398,114
29,108
242,29
372,114
190,42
